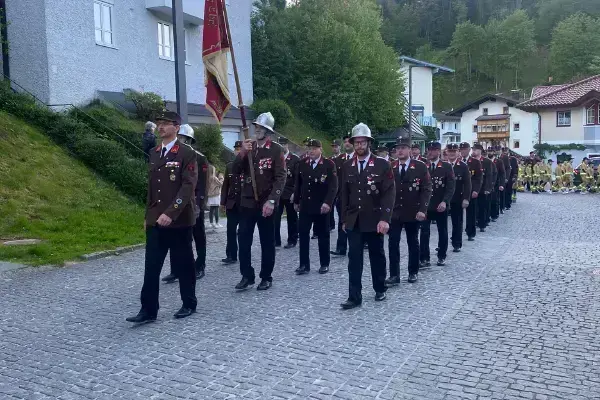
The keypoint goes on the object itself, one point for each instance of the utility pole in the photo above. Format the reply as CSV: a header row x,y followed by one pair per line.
x,y
410,105
179,43
4,38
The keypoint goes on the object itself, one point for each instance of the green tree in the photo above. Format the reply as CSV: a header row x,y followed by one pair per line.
x,y
575,44
516,41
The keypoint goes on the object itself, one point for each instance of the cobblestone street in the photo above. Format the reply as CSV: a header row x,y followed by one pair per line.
x,y
513,316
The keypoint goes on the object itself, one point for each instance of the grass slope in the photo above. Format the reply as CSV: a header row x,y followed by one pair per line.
x,y
297,130
45,194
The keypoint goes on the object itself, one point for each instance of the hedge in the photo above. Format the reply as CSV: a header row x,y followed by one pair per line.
x,y
280,109
103,155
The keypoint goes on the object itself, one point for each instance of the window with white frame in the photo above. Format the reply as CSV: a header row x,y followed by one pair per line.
x,y
516,126
442,125
516,144
485,111
563,118
591,114
103,21
165,41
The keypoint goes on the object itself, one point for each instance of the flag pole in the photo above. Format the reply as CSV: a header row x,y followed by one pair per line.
x,y
241,105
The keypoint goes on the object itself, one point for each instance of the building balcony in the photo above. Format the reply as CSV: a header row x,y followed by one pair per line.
x,y
193,10
426,121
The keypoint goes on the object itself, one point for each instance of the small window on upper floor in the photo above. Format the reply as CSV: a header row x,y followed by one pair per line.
x,y
516,144
590,114
474,128
485,111
442,125
516,126
165,41
563,118
505,110
103,21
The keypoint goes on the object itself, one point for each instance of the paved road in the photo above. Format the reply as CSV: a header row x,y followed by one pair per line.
x,y
515,315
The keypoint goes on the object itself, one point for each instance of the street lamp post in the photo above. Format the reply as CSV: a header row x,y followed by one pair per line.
x,y
179,44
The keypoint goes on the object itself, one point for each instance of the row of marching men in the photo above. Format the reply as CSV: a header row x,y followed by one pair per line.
x,y
372,196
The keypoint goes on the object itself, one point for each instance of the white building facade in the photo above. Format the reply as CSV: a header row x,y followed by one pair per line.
x,y
494,120
449,128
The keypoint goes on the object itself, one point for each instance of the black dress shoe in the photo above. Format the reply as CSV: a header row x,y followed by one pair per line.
x,y
277,245
456,250
350,304
244,284
425,264
229,260
366,245
324,269
412,278
314,237
441,262
289,246
380,296
302,270
494,219
142,317
437,249
471,239
392,281
264,285
200,274
169,278
184,312
481,229
337,253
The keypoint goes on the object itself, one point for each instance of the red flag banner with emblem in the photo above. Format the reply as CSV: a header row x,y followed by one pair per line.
x,y
215,46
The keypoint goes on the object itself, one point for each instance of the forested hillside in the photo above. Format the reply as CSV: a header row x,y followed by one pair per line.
x,y
496,45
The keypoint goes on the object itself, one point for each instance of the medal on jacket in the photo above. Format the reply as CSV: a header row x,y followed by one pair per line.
x,y
172,177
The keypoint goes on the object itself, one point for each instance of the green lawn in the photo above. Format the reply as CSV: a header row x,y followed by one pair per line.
x,y
297,130
45,194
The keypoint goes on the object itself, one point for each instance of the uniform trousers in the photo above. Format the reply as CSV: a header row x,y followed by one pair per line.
x,y
502,199
483,208
292,222
342,239
495,203
320,223
457,217
357,240
249,219
233,219
471,220
199,234
178,242
508,193
441,221
412,239
332,220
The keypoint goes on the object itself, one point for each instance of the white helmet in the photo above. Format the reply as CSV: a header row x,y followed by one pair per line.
x,y
265,120
361,130
186,130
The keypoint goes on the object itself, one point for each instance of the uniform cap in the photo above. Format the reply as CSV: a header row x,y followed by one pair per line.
x,y
465,145
478,146
414,145
237,144
336,142
452,146
403,142
265,120
305,141
171,116
504,149
382,148
435,146
313,143
361,131
283,140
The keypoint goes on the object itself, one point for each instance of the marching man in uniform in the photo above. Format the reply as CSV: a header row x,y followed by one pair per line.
x,y
230,201
269,170
416,153
443,184
462,195
476,171
413,192
483,200
315,191
367,202
286,201
342,239
170,218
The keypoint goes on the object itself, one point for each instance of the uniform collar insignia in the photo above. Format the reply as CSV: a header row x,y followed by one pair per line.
x,y
175,149
371,161
158,148
268,143
354,161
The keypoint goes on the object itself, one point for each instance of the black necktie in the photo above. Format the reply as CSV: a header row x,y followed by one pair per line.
x,y
432,167
314,164
164,150
402,171
361,167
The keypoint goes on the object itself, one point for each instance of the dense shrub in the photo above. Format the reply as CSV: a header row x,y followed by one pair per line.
x,y
148,104
209,141
279,108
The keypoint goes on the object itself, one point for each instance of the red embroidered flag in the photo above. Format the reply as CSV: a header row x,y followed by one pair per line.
x,y
215,46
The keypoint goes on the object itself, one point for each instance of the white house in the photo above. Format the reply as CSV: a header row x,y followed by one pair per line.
x,y
449,128
73,51
494,120
422,87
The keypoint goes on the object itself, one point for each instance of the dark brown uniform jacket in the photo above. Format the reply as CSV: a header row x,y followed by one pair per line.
x,y
462,190
232,188
488,183
476,170
368,197
201,186
514,168
269,169
500,172
413,192
507,168
171,186
315,186
443,183
291,166
339,165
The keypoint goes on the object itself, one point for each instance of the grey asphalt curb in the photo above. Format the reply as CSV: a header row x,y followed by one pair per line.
x,y
106,253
